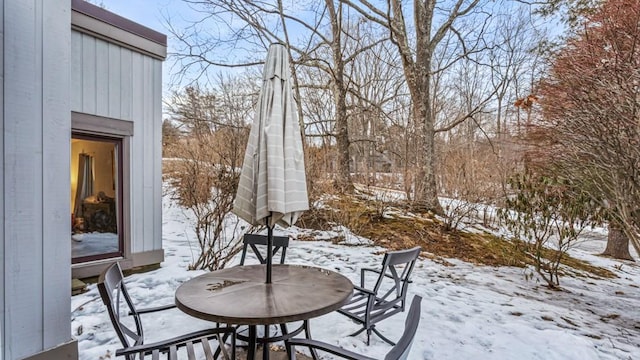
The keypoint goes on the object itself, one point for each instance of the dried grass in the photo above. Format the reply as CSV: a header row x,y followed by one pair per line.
x,y
400,230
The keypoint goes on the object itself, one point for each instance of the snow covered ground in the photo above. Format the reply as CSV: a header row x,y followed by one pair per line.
x,y
93,243
468,311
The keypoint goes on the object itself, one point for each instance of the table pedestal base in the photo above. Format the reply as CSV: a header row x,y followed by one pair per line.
x,y
278,354
253,340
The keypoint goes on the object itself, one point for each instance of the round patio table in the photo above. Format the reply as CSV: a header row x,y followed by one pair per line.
x,y
239,295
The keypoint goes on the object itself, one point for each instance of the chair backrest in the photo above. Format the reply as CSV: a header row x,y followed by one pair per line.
x,y
402,348
175,352
192,347
113,292
254,241
398,266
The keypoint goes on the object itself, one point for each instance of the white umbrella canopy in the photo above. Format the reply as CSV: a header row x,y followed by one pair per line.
x,y
272,187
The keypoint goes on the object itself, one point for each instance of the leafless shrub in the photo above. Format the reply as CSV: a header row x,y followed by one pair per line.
x,y
206,167
475,171
207,189
457,212
383,201
318,166
350,213
472,175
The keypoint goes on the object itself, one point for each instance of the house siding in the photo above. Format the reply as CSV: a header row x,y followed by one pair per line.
x,y
36,125
2,241
46,71
56,142
117,82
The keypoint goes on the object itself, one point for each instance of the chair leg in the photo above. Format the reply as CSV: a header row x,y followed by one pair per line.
x,y
307,332
287,347
223,341
251,350
358,332
361,330
265,345
373,328
232,345
292,354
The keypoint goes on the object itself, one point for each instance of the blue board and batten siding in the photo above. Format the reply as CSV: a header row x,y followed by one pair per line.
x,y
116,82
36,130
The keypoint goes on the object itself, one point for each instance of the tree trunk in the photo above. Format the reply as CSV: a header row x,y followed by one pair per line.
x,y
617,244
343,178
426,194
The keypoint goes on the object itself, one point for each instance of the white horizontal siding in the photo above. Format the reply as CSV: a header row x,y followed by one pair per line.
x,y
116,82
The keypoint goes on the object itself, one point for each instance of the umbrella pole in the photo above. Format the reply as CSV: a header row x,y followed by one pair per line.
x,y
269,246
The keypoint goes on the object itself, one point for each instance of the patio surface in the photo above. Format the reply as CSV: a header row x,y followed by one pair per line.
x,y
273,355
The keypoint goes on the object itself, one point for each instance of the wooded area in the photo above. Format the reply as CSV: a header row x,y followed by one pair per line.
x,y
441,98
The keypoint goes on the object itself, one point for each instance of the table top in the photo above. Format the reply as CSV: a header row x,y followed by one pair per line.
x,y
239,295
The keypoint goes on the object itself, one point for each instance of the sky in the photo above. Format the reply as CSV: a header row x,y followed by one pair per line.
x,y
146,12
153,14
468,311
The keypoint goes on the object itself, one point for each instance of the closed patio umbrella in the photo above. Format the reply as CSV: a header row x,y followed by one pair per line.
x,y
272,188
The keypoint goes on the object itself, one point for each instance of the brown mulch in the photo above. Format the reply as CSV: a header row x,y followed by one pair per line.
x,y
400,230
396,233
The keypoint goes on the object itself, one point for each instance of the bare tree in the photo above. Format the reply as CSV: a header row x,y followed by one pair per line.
x,y
325,45
376,84
196,111
417,51
477,157
170,137
516,64
340,94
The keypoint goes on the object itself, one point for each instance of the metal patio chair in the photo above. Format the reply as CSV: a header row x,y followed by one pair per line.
x,y
400,351
257,244
368,306
114,294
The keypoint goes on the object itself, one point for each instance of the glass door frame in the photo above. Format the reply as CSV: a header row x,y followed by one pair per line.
x,y
118,158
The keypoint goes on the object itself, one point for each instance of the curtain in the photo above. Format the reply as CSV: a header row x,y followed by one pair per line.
x,y
85,181
115,167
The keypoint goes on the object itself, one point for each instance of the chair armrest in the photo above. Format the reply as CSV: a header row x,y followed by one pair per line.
x,y
154,309
363,290
377,271
178,340
362,272
335,350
